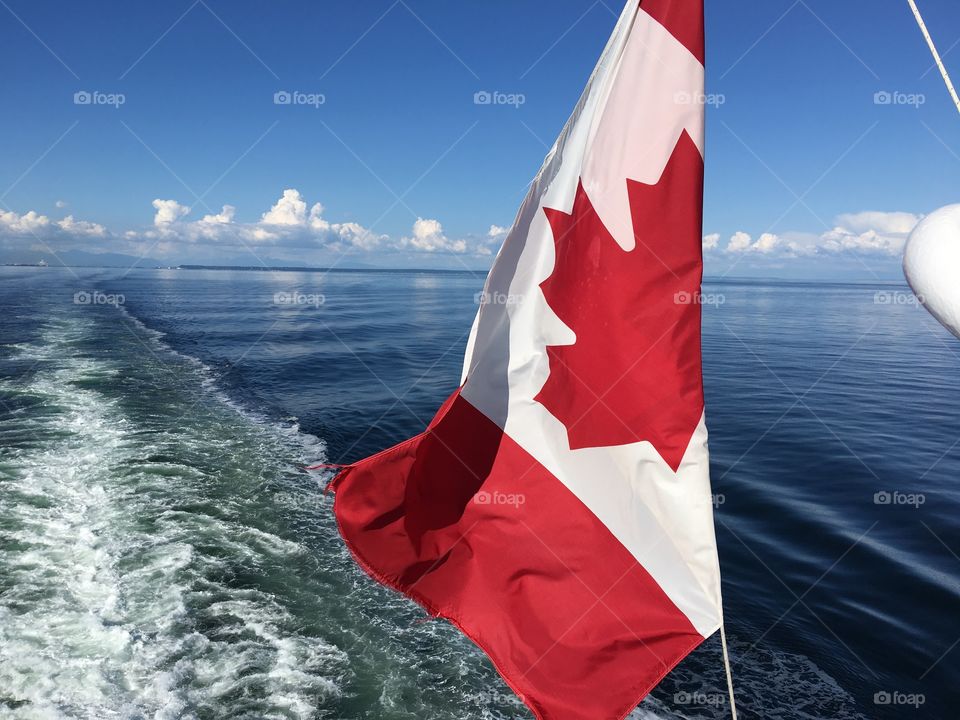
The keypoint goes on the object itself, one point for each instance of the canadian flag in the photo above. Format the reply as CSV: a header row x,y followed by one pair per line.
x,y
558,507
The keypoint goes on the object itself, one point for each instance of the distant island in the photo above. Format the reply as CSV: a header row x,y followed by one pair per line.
x,y
281,268
82,259
42,263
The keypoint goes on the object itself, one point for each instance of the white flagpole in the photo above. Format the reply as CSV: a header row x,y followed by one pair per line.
x,y
936,54
726,664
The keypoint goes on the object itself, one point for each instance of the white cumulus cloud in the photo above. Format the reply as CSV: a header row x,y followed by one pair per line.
x,y
168,211
291,224
291,209
428,236
29,223
224,217
871,232
81,227
766,243
885,223
739,242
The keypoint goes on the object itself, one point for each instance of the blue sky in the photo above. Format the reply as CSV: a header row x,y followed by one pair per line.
x,y
816,177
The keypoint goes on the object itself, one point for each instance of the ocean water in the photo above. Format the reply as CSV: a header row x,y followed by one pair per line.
x,y
164,553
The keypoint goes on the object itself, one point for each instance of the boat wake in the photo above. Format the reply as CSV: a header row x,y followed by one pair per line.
x,y
129,560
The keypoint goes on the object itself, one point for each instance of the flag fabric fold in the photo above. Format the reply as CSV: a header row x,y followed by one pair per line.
x,y
558,508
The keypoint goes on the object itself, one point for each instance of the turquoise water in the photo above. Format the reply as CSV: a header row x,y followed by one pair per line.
x,y
164,553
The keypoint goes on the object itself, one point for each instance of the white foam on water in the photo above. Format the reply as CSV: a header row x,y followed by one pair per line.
x,y
103,615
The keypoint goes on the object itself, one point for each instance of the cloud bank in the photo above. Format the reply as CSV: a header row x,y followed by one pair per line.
x,y
34,224
872,233
293,228
291,224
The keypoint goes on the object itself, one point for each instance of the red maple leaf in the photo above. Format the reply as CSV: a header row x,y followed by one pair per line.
x,y
634,371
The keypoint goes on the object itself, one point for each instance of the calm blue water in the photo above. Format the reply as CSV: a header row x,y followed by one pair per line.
x,y
163,553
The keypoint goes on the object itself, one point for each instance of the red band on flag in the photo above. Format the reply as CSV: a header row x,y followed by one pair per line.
x,y
684,20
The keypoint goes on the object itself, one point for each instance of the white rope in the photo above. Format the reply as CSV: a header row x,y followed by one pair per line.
x,y
936,55
726,663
